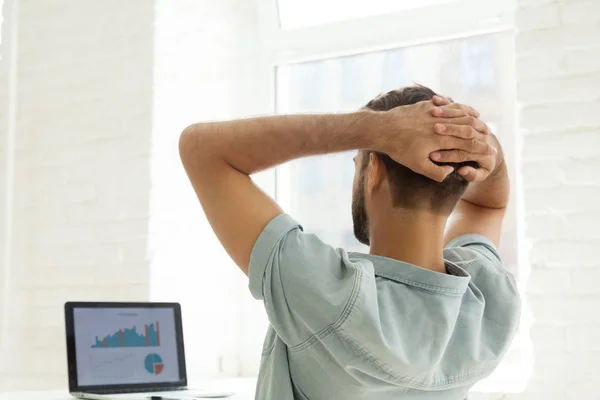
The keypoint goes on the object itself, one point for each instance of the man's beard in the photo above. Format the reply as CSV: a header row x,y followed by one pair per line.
x,y
360,220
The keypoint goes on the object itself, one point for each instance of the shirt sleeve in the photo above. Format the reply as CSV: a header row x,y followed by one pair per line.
x,y
478,243
305,284
480,258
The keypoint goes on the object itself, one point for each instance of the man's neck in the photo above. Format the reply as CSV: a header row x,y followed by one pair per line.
x,y
414,237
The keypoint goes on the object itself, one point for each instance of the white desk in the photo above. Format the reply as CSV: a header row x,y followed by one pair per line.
x,y
243,387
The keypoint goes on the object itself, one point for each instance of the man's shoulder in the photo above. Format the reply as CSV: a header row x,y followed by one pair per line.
x,y
471,250
490,281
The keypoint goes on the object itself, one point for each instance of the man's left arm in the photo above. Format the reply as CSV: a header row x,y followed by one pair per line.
x,y
219,157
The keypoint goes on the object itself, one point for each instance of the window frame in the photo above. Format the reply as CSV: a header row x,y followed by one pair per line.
x,y
381,32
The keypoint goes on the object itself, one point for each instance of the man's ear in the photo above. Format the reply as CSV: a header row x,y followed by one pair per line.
x,y
376,172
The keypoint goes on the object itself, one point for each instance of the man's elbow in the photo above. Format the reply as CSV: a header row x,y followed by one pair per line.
x,y
194,145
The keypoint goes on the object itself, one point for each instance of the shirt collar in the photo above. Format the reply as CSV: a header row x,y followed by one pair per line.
x,y
454,283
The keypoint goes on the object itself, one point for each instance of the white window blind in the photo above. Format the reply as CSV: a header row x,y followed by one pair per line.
x,y
295,14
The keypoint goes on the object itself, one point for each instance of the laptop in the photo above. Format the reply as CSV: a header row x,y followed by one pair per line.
x,y
127,350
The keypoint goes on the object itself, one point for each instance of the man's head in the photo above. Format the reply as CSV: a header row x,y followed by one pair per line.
x,y
379,179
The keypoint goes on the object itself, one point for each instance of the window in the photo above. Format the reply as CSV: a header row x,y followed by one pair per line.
x,y
476,70
472,70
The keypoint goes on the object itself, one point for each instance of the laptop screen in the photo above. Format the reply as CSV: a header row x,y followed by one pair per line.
x,y
125,345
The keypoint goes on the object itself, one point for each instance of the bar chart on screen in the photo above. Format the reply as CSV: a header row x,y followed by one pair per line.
x,y
149,336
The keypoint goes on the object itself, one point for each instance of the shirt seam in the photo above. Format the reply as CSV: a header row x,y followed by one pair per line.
x,y
424,286
341,319
270,348
269,254
471,264
467,239
439,384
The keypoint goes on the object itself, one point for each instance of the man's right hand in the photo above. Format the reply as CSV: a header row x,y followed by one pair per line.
x,y
487,162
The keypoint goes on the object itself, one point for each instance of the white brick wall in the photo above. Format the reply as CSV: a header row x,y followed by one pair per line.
x,y
82,182
558,69
103,88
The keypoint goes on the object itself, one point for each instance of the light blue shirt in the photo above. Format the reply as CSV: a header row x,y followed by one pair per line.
x,y
358,326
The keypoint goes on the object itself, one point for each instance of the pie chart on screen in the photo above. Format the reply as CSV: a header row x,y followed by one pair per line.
x,y
154,364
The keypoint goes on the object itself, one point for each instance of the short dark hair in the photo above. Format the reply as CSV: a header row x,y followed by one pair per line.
x,y
409,189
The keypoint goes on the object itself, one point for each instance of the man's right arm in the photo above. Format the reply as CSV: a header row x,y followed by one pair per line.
x,y
482,207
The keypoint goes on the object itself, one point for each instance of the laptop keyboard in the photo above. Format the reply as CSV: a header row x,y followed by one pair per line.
x,y
138,390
